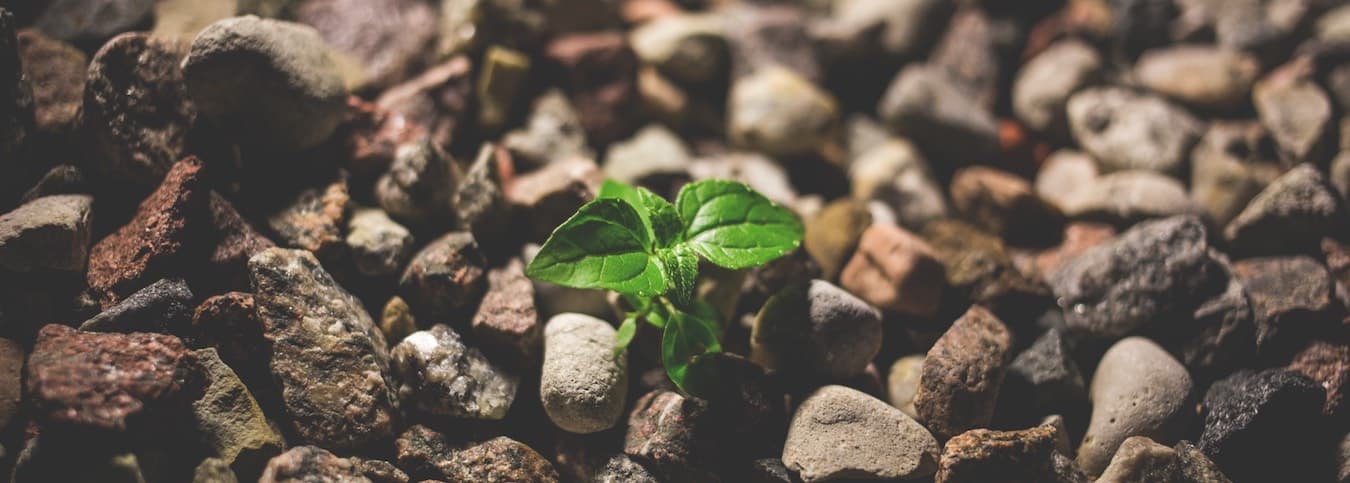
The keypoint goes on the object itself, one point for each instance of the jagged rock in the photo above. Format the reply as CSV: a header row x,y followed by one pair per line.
x,y
230,422
164,306
440,375
48,233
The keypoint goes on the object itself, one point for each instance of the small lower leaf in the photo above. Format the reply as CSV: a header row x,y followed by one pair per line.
x,y
625,334
686,338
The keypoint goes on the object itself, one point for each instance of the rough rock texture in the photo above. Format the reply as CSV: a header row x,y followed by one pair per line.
x,y
387,38
229,421
1138,390
923,104
622,469
902,382
671,433
582,383
303,464
420,183
1155,270
507,319
962,374
154,244
427,454
103,381
378,245
1224,334
1141,460
1047,369
839,432
440,375
68,19
236,241
1328,364
269,82
11,380
1251,416
445,278
777,112
1124,130
979,267
229,323
1297,112
164,306
328,358
313,219
137,108
1291,298
480,205
816,329
894,271
1293,213
48,233
1004,205
981,455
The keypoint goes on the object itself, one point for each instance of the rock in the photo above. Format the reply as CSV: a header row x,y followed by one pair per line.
x,y
1203,77
446,278
962,373
103,381
1140,459
839,432
1061,433
816,329
480,204
767,35
895,271
56,70
229,323
1291,298
504,76
420,184
979,269
870,29
229,421
1293,213
11,380
62,179
388,38
183,19
1223,334
435,104
622,469
164,306
154,244
1138,390
833,235
396,320
599,73
650,155
17,121
427,454
137,108
550,195
553,132
1047,369
1128,196
1153,271
976,50
1044,84
507,319
1003,204
328,359
379,471
1063,176
583,382
378,244
1297,112
759,172
213,470
48,233
440,375
236,241
1230,165
1250,416
1013,456
895,173
421,451
1328,364
1124,130
670,433
923,104
1078,237
902,382
270,83
690,49
779,113
69,20
1263,27
310,463
312,220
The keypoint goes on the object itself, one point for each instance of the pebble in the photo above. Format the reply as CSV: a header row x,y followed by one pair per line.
x,y
583,383
979,268
839,432
1328,364
896,271
1155,270
1251,416
445,279
779,113
236,240
48,233
426,454
982,455
1079,237
229,421
1293,213
902,383
690,49
507,318
962,374
1064,177
972,51
833,235
650,155
1223,335
1003,204
442,376
56,70
164,306
1138,390
69,19
622,469
816,329
1047,370
1141,460
503,77
1291,299
1203,77
1230,165
103,381
872,29
310,463
599,73
435,104
1044,84
669,432
388,39
154,243
378,244
379,471
313,219
419,186
270,83
924,105
328,359
1130,196
396,320
553,132
896,173
1124,130
550,195
11,380
229,324
137,108
1297,112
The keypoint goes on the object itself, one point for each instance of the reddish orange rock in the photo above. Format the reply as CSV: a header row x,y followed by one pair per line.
x,y
895,270
1078,238
1328,363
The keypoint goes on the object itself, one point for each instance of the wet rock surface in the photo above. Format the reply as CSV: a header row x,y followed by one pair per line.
x,y
962,374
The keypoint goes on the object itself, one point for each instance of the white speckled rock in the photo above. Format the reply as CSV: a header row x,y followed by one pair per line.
x,y
840,432
440,375
1138,390
1125,130
583,383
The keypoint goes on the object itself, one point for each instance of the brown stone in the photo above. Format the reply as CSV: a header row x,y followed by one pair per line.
x,y
981,455
311,463
1297,112
313,219
11,380
427,454
962,373
386,38
154,244
430,104
663,431
980,268
507,318
229,323
599,73
833,235
1003,204
445,279
895,270
550,195
1291,298
236,241
1327,363
396,320
103,380
56,71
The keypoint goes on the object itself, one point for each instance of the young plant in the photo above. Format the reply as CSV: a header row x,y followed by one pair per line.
x,y
632,241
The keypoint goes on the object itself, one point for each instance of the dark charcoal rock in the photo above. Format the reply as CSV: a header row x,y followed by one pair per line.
x,y
1140,459
164,306
1153,271
440,375
962,374
310,463
48,233
229,421
104,381
1251,416
1291,215
446,278
137,108
1048,372
1223,334
982,455
816,329
669,432
387,38
599,73
1291,299
1328,364
507,319
328,358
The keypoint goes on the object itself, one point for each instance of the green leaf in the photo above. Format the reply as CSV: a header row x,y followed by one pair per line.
x,y
686,338
658,315
625,334
681,265
734,226
604,245
665,221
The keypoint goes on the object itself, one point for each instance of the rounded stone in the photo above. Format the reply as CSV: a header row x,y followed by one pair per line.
x,y
816,329
903,382
1125,130
1138,390
583,381
1207,77
778,112
839,432
48,233
440,375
